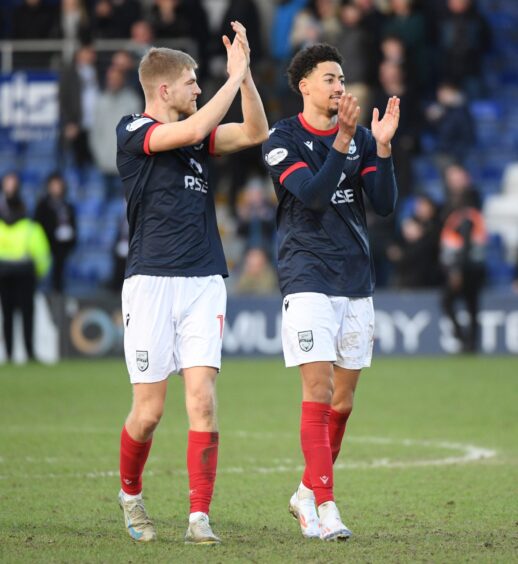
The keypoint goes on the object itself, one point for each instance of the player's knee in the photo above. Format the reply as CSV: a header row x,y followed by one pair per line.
x,y
319,391
148,421
345,407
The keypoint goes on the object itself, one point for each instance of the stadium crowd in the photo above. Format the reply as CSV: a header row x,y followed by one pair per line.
x,y
429,53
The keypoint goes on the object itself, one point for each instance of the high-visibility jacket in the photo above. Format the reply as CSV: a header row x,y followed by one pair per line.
x,y
463,238
24,242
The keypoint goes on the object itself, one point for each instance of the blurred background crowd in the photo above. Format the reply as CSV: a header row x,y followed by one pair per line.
x,y
453,63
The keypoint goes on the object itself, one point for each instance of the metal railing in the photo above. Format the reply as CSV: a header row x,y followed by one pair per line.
x,y
66,48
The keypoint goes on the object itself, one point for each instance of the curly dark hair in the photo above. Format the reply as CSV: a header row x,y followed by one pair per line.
x,y
307,59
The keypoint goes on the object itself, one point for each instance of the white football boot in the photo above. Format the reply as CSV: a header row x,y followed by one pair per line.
x,y
200,532
302,507
138,524
331,526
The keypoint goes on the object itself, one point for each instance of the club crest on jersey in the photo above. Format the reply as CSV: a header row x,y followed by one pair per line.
x,y
305,340
352,147
138,123
142,361
195,165
276,156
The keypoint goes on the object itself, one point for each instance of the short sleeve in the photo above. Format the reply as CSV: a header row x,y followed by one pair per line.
x,y
281,156
133,135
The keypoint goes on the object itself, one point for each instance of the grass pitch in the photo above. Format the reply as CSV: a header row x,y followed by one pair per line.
x,y
427,473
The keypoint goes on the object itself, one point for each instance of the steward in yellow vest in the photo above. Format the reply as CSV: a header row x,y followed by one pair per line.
x,y
24,257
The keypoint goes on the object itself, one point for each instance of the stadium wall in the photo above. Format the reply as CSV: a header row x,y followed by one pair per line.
x,y
408,323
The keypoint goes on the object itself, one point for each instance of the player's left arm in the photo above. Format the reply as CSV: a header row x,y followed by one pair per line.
x,y
232,137
378,179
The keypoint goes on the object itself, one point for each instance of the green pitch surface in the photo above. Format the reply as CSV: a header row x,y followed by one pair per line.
x,y
428,472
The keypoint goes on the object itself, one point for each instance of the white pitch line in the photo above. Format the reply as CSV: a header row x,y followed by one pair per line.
x,y
468,453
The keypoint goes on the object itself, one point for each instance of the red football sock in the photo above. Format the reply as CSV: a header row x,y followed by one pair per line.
x,y
337,423
314,438
202,461
133,456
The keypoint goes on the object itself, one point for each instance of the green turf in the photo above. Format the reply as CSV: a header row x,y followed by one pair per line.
x,y
59,433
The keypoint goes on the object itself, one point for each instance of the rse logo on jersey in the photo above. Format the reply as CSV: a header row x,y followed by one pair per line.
x,y
193,182
343,196
196,184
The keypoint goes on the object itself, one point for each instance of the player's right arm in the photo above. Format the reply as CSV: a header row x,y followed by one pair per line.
x,y
196,127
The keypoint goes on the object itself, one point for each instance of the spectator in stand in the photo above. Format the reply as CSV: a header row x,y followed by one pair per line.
x,y
452,124
257,276
256,216
246,12
75,21
373,20
393,50
355,45
58,219
464,37
24,256
283,100
282,28
408,24
459,189
463,243
104,24
124,61
115,100
114,18
141,38
327,13
404,145
78,91
416,256
34,19
183,18
307,28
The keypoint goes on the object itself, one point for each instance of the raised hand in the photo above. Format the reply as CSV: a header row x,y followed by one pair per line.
x,y
237,61
383,130
240,31
348,113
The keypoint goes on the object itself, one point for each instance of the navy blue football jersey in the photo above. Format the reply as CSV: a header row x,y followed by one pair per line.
x,y
171,213
326,250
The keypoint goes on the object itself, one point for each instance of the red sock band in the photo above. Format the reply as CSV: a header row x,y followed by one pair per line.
x,y
202,461
337,423
314,438
133,456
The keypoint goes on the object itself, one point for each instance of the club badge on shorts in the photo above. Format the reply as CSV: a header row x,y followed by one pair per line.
x,y
142,361
306,340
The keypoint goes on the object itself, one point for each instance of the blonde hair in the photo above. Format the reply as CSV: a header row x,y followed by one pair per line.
x,y
162,63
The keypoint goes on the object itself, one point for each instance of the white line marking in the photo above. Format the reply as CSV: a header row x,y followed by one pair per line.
x,y
466,453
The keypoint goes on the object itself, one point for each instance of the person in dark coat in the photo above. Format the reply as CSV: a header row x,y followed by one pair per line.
x,y
58,218
78,92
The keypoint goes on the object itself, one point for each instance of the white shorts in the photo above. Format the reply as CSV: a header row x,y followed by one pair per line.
x,y
316,327
172,323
